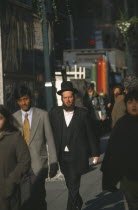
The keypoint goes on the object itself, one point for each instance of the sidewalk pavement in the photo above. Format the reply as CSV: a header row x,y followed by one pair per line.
x,y
93,197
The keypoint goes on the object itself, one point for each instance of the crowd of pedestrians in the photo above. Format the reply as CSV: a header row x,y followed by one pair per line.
x,y
34,144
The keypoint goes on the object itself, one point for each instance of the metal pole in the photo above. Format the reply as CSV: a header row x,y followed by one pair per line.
x,y
126,7
71,32
48,76
1,70
128,53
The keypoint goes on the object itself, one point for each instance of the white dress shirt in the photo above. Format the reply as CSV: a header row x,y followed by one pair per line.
x,y
68,117
30,114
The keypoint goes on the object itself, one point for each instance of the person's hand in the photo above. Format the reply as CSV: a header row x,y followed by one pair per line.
x,y
103,119
52,174
109,105
53,170
95,160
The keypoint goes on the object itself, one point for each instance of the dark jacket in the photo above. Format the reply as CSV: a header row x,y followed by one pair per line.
x,y
119,110
82,141
14,163
121,157
94,105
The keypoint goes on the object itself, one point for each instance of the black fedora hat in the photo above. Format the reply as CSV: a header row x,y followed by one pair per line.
x,y
67,86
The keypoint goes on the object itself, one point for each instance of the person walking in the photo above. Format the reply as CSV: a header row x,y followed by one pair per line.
x,y
121,158
74,141
35,127
116,94
94,103
96,109
119,109
15,161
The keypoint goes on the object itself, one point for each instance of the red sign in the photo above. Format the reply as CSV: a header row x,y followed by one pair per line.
x,y
92,42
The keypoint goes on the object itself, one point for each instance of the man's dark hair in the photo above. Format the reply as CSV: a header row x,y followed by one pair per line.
x,y
90,86
120,87
9,120
22,91
133,94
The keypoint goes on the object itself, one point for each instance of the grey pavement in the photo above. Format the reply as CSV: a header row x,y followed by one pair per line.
x,y
93,197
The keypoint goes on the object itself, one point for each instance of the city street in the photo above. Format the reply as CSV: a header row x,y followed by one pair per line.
x,y
90,190
68,72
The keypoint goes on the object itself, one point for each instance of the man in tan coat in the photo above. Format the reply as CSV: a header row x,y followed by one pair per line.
x,y
35,126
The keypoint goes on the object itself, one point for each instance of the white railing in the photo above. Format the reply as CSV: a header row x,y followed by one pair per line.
x,y
76,72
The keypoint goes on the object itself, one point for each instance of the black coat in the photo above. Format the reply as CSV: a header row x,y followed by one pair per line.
x,y
14,163
83,143
121,157
94,105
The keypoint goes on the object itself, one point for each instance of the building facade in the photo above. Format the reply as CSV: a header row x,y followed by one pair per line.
x,y
94,26
21,56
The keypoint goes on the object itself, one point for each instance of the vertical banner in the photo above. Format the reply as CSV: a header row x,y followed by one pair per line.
x,y
1,72
94,74
99,69
102,75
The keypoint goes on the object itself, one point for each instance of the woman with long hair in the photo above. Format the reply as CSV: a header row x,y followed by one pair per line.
x,y
14,161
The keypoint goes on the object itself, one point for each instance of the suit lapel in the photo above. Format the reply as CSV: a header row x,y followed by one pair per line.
x,y
35,122
60,122
19,123
75,123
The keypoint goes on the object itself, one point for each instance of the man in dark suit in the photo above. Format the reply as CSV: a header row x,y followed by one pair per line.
x,y
35,126
74,141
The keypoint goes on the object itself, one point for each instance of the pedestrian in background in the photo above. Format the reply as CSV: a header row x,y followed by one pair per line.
x,y
121,158
96,109
14,161
35,127
119,109
79,100
39,100
74,141
116,94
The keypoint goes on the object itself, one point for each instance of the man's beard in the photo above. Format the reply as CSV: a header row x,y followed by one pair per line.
x,y
68,108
